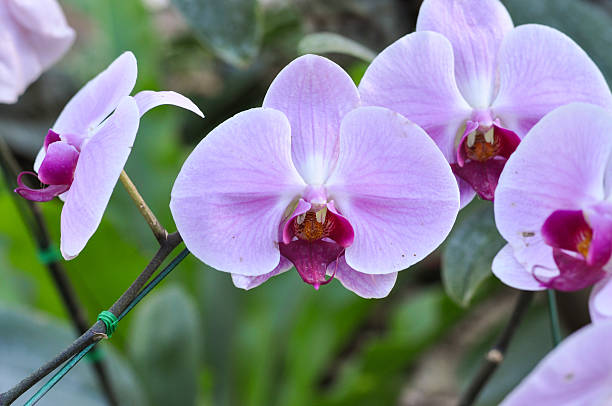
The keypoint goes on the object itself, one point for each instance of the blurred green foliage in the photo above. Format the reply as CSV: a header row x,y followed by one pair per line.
x,y
197,339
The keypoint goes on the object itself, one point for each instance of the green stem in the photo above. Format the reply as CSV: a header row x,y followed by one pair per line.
x,y
70,364
555,327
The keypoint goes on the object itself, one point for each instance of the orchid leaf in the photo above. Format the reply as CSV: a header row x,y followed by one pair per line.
x,y
469,252
329,42
230,28
165,344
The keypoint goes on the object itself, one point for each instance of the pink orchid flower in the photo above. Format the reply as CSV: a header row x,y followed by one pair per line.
x,y
315,181
33,36
553,207
476,84
87,147
576,373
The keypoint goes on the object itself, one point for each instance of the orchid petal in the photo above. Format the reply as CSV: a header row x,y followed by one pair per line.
x,y
148,99
560,166
34,35
365,285
541,69
51,137
508,270
414,77
100,164
98,98
394,187
600,301
476,30
249,282
314,93
231,194
576,373
59,164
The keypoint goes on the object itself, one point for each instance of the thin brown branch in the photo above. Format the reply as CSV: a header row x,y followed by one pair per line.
x,y
158,230
98,330
32,216
495,356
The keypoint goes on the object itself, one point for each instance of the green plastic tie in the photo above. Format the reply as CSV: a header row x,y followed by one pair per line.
x,y
110,321
49,255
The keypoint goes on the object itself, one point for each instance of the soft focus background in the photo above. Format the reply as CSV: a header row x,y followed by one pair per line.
x,y
197,340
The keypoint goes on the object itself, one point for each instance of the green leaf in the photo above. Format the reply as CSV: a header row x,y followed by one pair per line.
x,y
28,340
469,252
230,28
165,344
329,42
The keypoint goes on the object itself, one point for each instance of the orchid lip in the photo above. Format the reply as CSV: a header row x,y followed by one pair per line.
x,y
38,195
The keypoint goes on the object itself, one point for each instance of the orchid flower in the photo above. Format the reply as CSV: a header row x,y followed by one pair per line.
x,y
85,150
314,181
33,36
477,85
576,373
554,207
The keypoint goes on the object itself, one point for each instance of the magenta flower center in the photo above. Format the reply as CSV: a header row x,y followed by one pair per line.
x,y
56,170
314,238
482,154
580,249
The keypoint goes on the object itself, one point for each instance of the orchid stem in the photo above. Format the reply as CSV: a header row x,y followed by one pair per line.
x,y
97,331
33,218
158,230
554,317
496,354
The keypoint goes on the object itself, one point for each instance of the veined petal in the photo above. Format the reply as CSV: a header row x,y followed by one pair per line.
x,y
249,282
45,28
476,30
394,187
100,164
98,98
365,285
34,35
148,99
561,165
507,269
541,69
600,301
229,199
576,373
315,94
414,77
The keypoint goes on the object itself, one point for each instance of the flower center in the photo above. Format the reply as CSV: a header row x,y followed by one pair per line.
x,y
482,146
315,239
584,242
313,226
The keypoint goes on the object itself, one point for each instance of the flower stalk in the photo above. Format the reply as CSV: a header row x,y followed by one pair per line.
x,y
495,356
35,223
158,230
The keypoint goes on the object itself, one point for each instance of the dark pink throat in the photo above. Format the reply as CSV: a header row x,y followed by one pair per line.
x,y
580,249
481,157
56,170
314,240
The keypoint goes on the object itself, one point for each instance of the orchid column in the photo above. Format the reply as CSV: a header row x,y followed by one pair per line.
x,y
315,181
